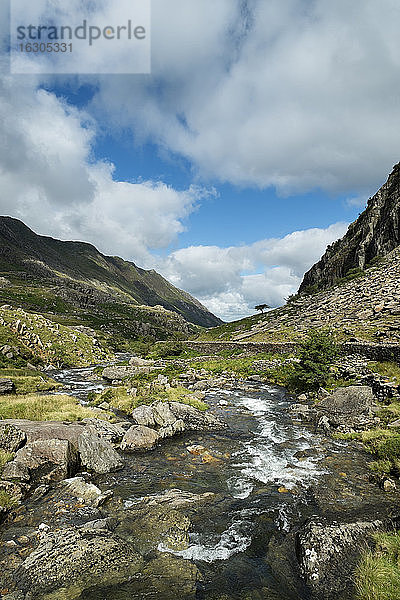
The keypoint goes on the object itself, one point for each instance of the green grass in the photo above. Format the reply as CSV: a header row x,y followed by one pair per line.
x,y
384,444
28,381
7,501
5,457
119,399
386,369
378,574
34,407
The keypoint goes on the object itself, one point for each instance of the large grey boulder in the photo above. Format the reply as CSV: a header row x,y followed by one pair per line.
x,y
43,459
351,406
164,414
111,432
11,437
195,420
48,430
69,561
140,437
136,361
118,373
328,553
162,420
96,453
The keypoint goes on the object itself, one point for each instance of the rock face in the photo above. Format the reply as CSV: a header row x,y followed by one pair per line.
x,y
139,437
96,453
163,420
328,553
43,459
6,387
376,232
11,437
73,560
349,407
48,430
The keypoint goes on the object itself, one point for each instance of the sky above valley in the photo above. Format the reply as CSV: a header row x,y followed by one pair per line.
x,y
258,136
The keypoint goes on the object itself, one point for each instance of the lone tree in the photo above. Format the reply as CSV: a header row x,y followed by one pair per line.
x,y
261,307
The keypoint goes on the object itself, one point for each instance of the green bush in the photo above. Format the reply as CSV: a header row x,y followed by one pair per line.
x,y
316,354
389,449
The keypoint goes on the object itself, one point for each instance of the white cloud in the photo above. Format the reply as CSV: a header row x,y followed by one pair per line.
x,y
293,94
228,281
49,179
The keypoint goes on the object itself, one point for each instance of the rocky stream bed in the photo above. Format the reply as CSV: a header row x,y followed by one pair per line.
x,y
264,508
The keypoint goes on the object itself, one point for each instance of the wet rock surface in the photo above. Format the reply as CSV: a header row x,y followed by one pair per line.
x,y
328,554
71,560
221,513
97,453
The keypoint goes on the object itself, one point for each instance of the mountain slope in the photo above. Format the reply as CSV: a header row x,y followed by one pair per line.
x,y
354,289
375,233
83,276
366,308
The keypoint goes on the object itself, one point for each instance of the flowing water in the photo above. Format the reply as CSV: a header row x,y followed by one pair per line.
x,y
260,469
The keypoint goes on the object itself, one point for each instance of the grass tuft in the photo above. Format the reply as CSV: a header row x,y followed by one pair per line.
x,y
5,457
43,408
378,574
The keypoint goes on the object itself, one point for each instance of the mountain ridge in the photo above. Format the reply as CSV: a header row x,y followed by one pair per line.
x,y
75,281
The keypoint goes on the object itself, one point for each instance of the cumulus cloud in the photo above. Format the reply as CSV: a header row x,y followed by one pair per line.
x,y
276,93
228,280
49,179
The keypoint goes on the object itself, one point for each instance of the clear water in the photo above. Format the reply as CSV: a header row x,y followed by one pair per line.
x,y
265,465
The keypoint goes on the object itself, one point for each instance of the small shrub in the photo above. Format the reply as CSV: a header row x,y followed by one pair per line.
x,y
389,449
167,349
316,354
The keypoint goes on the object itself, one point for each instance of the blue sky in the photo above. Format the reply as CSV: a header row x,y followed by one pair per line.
x,y
255,140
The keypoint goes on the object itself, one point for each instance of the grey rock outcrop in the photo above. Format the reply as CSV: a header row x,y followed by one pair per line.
x,y
11,437
328,553
139,437
349,407
71,561
43,459
111,432
376,232
162,420
96,453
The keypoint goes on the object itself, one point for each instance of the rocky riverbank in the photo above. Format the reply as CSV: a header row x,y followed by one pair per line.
x,y
169,500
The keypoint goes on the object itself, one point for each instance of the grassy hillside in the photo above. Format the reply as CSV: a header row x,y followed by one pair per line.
x,y
63,277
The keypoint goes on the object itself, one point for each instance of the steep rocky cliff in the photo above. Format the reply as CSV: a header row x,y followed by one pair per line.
x,y
375,233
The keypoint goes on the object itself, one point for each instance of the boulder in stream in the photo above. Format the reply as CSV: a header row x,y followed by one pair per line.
x,y
349,407
328,554
71,560
43,459
96,453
